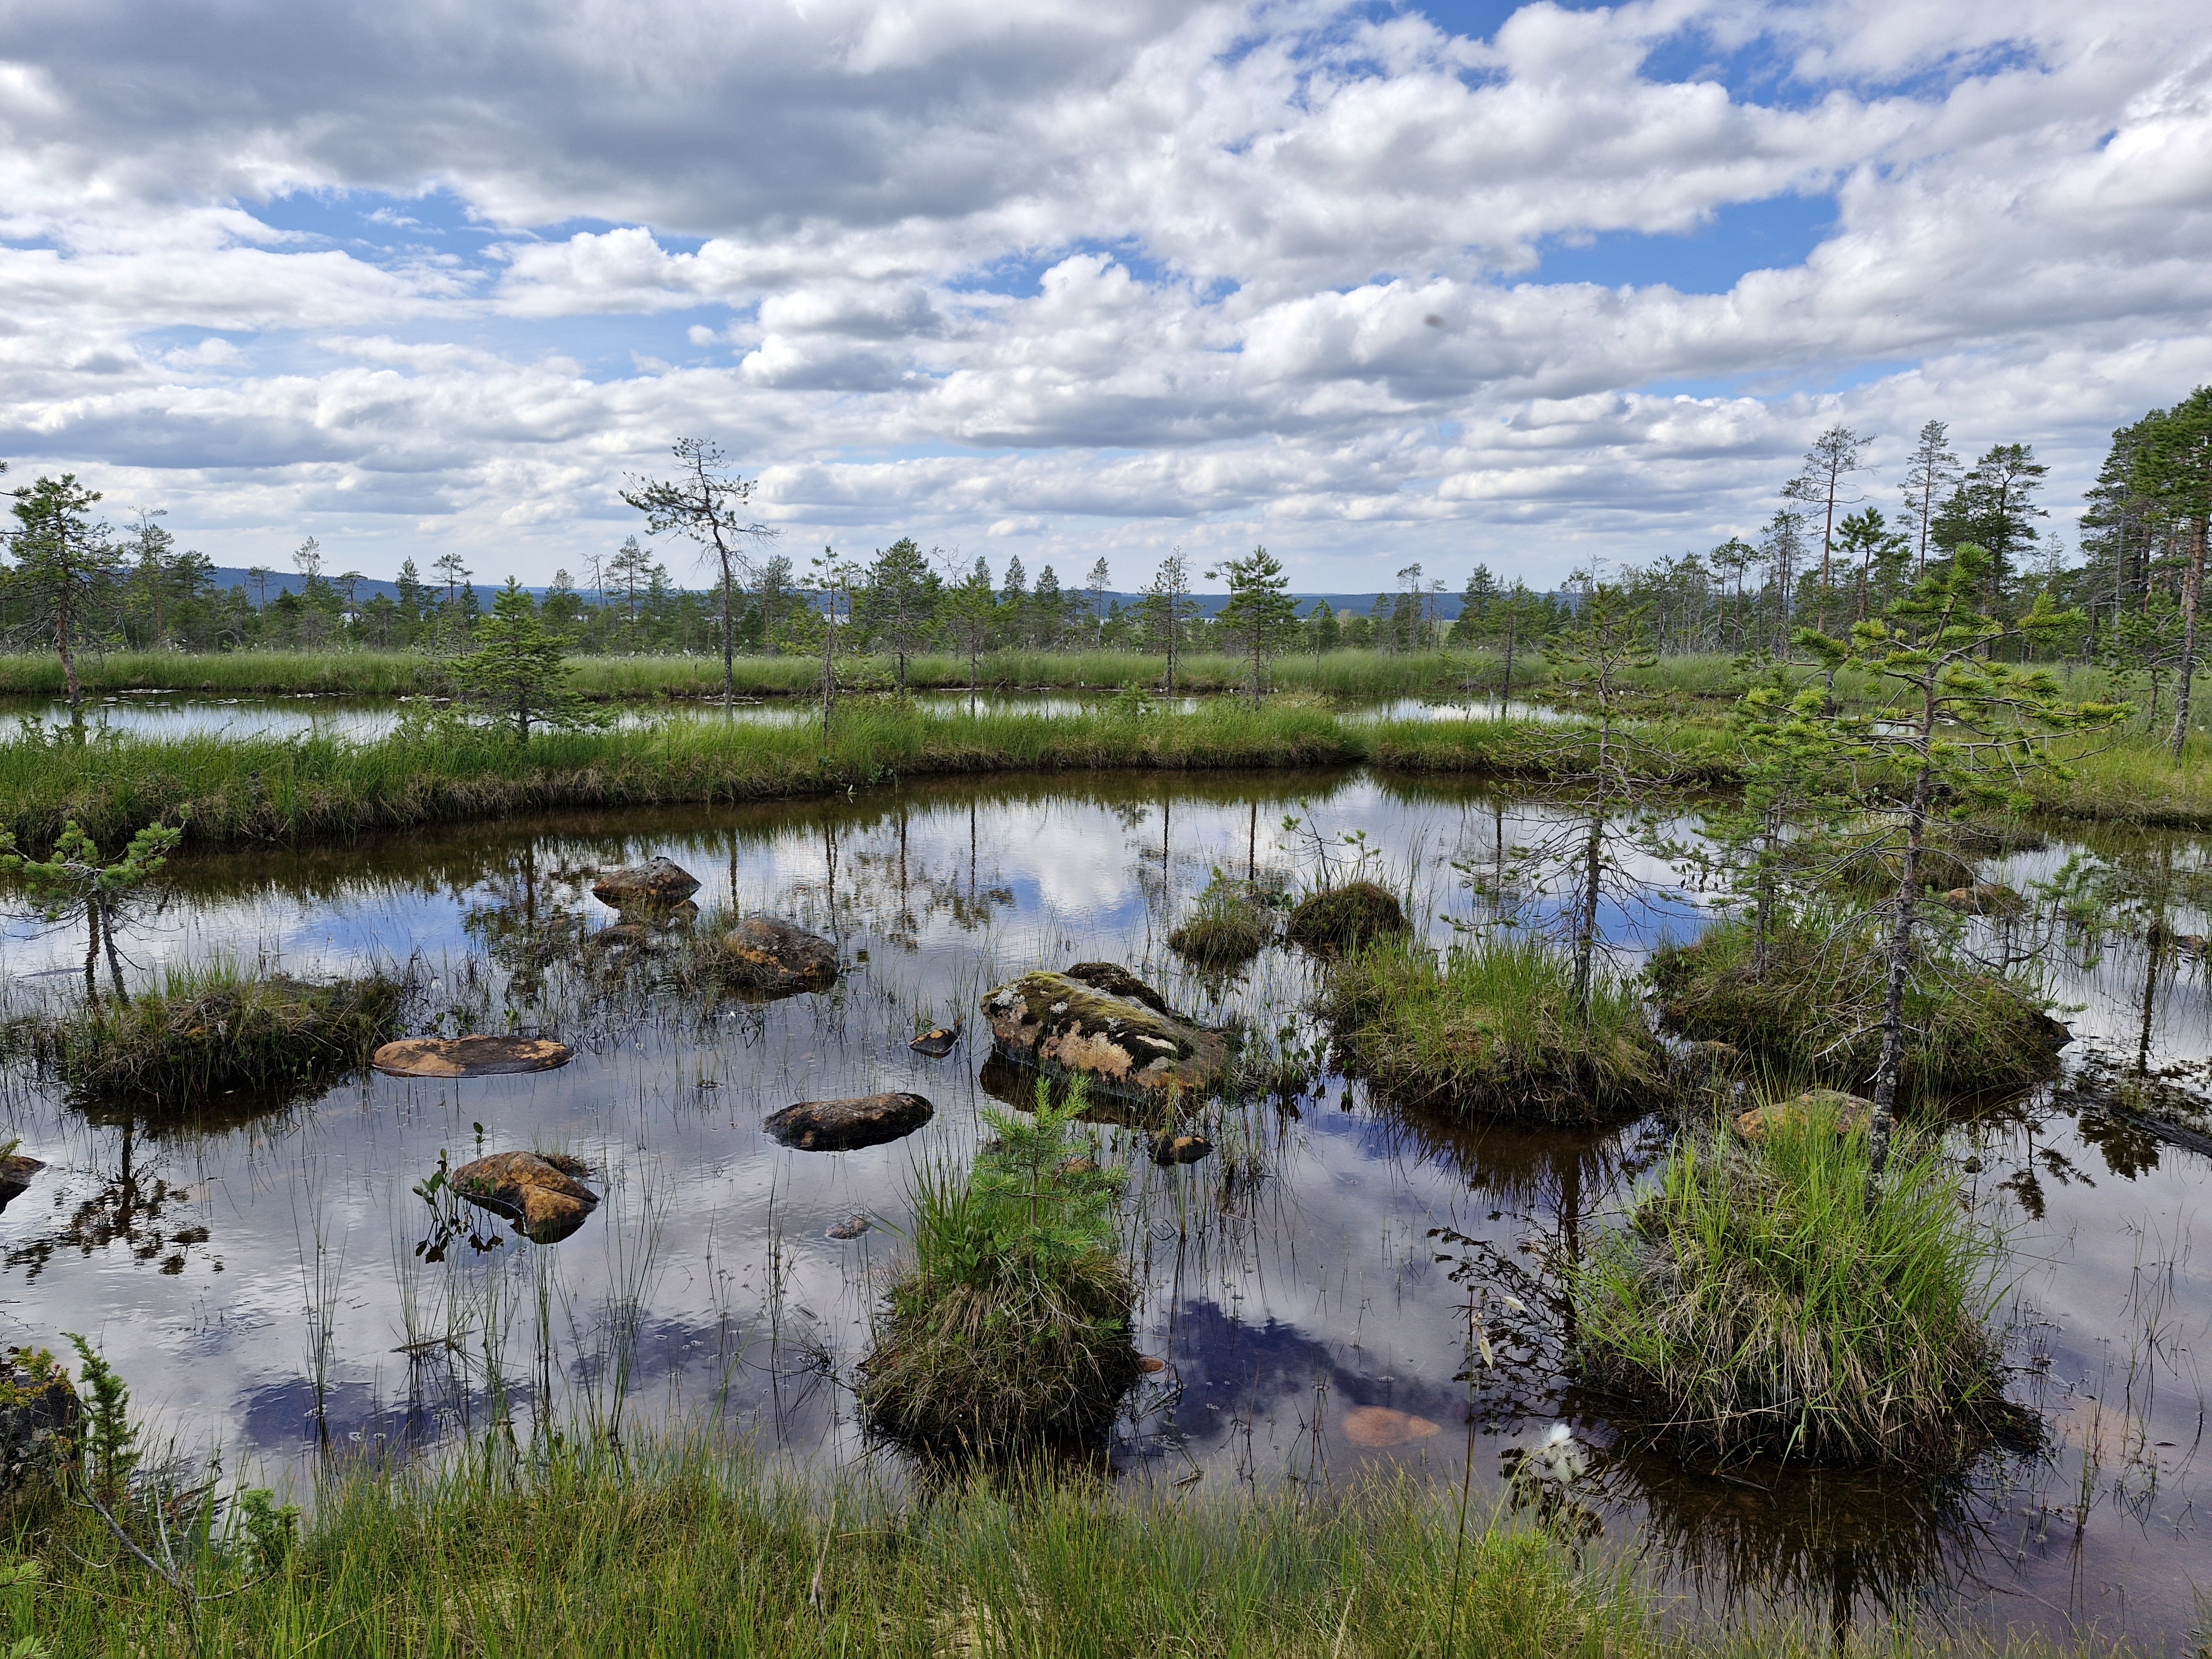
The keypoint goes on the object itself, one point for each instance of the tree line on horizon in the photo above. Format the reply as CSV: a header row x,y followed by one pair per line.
x,y
1830,555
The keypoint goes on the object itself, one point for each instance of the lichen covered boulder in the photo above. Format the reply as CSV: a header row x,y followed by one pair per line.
x,y
659,882
777,957
846,1125
538,1193
1121,1038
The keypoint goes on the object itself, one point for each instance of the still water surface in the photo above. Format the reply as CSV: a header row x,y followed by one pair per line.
x,y
259,1280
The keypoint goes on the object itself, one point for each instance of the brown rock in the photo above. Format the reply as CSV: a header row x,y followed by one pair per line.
x,y
1983,898
779,958
1853,1112
1374,1427
845,1126
936,1042
1118,981
470,1056
15,1172
542,1198
658,882
1124,1043
1172,1149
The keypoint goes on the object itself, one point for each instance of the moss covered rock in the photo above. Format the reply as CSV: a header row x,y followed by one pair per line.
x,y
1122,1038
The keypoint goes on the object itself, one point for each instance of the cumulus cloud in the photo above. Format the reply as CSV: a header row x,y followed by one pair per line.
x,y
1099,278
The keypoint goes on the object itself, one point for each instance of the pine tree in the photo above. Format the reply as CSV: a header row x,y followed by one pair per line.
x,y
1261,616
65,565
711,505
2173,469
519,669
1931,471
1167,610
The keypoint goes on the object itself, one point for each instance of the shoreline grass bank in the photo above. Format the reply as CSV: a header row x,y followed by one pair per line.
x,y
243,792
683,1548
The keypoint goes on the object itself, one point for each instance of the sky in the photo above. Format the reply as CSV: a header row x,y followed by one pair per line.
x,y
1545,287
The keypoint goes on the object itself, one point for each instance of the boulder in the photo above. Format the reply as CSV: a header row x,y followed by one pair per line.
x,y
659,882
470,1056
1983,898
1123,1042
779,958
1118,981
539,1193
1853,1112
846,1125
936,1042
39,1414
15,1172
1171,1149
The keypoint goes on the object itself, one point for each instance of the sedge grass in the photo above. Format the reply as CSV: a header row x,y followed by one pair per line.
x,y
1492,1030
1010,1333
1816,1008
202,1033
1757,1304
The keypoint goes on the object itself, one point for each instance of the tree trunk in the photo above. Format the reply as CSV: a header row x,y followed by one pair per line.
x,y
1900,961
68,650
729,646
828,657
2192,587
92,955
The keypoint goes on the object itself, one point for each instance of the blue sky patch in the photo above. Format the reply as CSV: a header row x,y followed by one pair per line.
x,y
1770,235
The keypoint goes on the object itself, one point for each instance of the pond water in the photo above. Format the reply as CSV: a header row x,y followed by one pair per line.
x,y
170,715
273,1283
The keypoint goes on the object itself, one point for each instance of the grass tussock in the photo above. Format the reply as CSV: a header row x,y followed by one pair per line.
x,y
1009,1334
1345,917
1757,1305
1492,1030
1230,924
1817,1008
202,1033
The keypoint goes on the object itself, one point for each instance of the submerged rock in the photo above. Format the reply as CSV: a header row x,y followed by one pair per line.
x,y
851,1227
659,881
936,1042
538,1192
846,1125
1344,918
1853,1112
1121,1040
470,1056
1373,1427
1169,1150
761,953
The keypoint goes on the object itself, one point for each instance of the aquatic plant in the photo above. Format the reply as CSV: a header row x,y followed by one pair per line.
x,y
1493,1028
1764,1302
215,1029
1010,1331
1817,1006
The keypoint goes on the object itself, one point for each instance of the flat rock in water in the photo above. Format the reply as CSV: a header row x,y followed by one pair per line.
x,y
544,1200
1853,1112
1123,1042
765,954
1377,1426
1172,1149
845,1126
936,1043
470,1056
658,881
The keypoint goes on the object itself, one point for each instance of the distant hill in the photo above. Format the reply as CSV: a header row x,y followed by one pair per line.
x,y
291,581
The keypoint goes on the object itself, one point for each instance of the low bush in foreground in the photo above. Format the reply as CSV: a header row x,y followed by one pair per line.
x,y
1493,1028
206,1032
1757,1305
1010,1333
1817,1008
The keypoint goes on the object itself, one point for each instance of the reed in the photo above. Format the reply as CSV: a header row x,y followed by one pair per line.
x,y
1493,1030
1757,1304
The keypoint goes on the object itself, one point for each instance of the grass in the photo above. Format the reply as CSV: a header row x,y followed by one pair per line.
x,y
202,1033
1345,917
1009,1334
1818,1007
1492,1031
1757,1305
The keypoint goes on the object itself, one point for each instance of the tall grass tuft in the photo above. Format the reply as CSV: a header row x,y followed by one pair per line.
x,y
1757,1305
202,1033
1492,1030
1817,1008
1010,1333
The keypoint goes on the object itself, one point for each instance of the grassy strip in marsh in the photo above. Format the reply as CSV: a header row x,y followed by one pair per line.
x,y
678,1548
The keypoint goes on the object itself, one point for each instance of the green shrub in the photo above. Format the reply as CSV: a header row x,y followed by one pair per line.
x,y
1010,1333
1817,1008
1492,1030
1756,1304
1345,917
209,1031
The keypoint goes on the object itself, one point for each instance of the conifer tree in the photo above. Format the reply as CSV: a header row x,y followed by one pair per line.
x,y
1261,616
519,669
65,563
